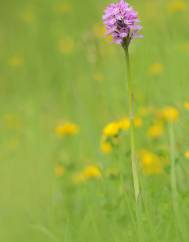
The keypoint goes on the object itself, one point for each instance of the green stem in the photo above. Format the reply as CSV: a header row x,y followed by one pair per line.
x,y
132,130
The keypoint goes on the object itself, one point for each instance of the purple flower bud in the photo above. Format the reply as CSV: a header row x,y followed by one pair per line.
x,y
122,23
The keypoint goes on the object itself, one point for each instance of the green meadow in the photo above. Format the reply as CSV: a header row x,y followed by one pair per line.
x,y
62,82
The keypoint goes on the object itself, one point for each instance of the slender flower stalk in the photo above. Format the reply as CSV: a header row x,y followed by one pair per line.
x,y
132,129
122,23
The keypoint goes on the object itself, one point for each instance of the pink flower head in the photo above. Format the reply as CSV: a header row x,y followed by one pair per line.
x,y
121,22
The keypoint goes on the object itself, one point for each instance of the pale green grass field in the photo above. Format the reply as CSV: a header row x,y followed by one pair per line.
x,y
45,79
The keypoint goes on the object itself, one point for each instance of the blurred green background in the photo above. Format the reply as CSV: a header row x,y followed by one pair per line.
x,y
55,64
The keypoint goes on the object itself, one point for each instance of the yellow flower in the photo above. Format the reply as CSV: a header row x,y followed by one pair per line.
x,y
124,124
150,162
186,105
170,114
156,130
66,45
187,154
16,61
106,148
156,69
66,129
112,129
63,8
59,170
177,6
90,172
138,122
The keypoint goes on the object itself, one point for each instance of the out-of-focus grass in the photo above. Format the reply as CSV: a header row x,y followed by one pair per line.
x,y
56,65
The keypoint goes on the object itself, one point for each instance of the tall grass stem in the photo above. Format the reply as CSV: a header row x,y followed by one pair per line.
x,y
132,129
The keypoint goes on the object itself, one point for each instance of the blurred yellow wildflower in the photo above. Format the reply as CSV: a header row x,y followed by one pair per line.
x,y
170,114
156,69
16,61
187,154
150,162
90,172
59,170
63,8
106,148
66,129
66,45
186,106
111,129
124,124
156,130
177,6
137,122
